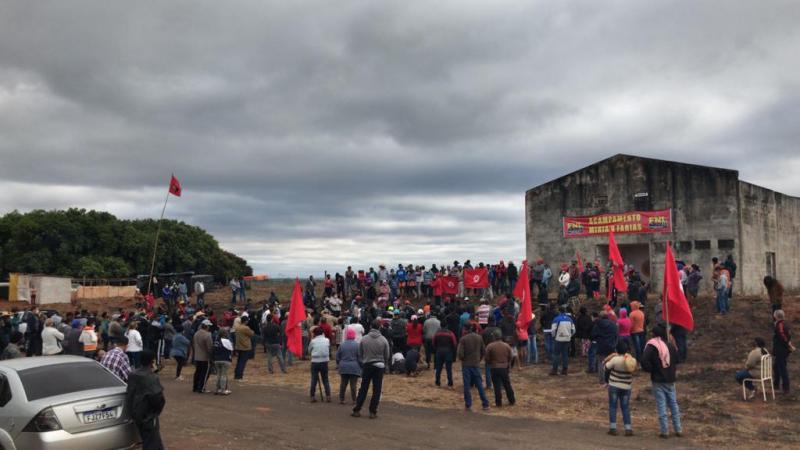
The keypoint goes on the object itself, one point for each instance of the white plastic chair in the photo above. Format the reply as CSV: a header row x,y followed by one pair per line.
x,y
766,375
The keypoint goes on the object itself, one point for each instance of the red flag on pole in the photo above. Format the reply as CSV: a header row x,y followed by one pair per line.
x,y
619,266
175,187
580,263
522,291
297,314
450,285
676,308
476,278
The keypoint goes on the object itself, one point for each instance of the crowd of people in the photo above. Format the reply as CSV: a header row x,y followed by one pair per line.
x,y
373,323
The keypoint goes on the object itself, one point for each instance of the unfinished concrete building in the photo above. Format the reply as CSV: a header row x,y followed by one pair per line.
x,y
703,211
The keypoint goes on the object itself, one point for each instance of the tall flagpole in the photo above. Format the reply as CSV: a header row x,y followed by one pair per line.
x,y
665,294
155,244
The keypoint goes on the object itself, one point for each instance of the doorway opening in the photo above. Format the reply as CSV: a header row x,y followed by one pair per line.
x,y
636,255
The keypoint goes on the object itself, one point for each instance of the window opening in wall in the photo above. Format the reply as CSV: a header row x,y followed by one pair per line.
x,y
725,244
771,265
685,246
641,201
702,245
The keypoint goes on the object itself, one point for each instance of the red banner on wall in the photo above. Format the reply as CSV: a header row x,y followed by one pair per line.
x,y
633,222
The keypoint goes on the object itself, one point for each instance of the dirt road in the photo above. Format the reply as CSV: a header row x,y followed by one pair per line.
x,y
257,417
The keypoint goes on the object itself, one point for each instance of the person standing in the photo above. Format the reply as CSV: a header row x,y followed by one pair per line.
x,y
272,336
223,357
444,346
244,346
562,329
200,292
89,339
660,359
498,358
235,286
781,348
374,354
144,398
116,360
429,329
51,339
203,349
638,333
620,367
774,292
180,350
33,332
320,350
604,338
135,343
348,365
731,266
470,352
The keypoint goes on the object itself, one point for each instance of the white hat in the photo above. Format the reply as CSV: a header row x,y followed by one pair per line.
x,y
206,323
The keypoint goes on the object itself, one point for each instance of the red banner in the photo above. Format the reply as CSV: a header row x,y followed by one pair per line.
x,y
450,285
476,278
634,222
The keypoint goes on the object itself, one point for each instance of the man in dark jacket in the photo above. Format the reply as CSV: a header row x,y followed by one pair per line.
x,y
271,334
489,335
781,348
144,399
660,359
470,352
604,336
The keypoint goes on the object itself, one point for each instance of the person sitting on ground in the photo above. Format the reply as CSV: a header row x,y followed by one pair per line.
x,y
752,366
619,376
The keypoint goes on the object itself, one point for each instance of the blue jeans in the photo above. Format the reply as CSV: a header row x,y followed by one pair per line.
x,y
666,397
741,376
561,352
623,398
593,357
548,345
487,374
472,377
533,350
722,301
241,363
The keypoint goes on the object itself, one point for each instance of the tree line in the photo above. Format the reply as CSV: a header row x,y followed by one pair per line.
x,y
96,244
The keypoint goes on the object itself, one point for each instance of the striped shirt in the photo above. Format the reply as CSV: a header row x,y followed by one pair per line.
x,y
621,368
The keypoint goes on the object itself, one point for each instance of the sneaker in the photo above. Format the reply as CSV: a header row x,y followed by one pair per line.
x,y
678,434
226,392
663,435
628,432
553,373
612,431
313,399
355,414
373,415
485,407
751,394
563,371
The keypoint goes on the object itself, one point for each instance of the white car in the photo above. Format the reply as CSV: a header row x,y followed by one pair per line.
x,y
62,402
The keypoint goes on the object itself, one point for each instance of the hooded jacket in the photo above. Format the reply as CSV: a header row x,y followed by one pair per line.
x,y
604,333
624,323
374,348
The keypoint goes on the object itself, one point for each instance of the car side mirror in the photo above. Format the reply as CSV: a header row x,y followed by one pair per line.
x,y
5,391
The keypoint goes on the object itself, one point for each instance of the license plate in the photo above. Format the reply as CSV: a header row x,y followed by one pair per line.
x,y
99,416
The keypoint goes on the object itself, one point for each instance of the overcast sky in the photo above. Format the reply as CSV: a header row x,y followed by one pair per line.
x,y
310,135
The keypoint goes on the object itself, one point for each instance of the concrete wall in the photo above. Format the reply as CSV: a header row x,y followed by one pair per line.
x,y
770,222
704,201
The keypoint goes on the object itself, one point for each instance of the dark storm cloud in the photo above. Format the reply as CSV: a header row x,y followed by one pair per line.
x,y
312,134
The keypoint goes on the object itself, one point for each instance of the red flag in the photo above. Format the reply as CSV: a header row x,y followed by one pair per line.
x,y
297,314
437,286
676,309
476,278
450,285
522,291
580,263
619,266
175,187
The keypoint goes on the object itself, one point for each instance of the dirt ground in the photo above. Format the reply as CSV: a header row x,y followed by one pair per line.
x,y
714,415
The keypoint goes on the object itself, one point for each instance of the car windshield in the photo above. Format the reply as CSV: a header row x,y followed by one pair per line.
x,y
59,379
